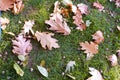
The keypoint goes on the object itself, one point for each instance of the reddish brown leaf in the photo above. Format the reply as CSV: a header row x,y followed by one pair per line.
x,y
98,37
113,59
90,48
98,6
6,5
46,40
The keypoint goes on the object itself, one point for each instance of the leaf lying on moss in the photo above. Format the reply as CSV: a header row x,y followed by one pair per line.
x,y
18,70
98,6
96,75
90,49
58,24
21,46
98,37
46,40
3,22
43,71
113,59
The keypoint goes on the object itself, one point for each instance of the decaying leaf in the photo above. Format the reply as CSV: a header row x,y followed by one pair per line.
x,y
118,51
21,57
46,40
88,23
6,5
96,75
18,7
43,71
83,8
98,37
113,59
21,46
78,21
70,66
90,49
4,22
58,24
18,70
28,27
98,6
117,2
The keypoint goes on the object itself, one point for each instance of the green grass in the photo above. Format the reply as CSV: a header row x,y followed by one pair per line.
x,y
39,11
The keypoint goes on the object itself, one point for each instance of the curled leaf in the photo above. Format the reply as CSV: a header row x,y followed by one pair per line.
x,y
18,70
58,24
43,71
98,37
113,59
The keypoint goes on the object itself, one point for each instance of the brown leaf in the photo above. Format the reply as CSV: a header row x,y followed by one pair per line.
x,y
57,7
6,5
98,37
113,59
58,24
98,6
46,40
78,21
83,8
18,7
90,48
21,46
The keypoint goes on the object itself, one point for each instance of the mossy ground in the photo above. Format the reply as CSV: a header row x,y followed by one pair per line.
x,y
39,11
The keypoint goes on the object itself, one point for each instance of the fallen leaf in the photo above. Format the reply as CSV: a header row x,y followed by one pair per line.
x,y
83,8
98,37
90,49
98,6
6,5
21,57
118,27
113,59
58,24
78,21
4,22
18,70
46,40
56,7
96,75
21,46
67,2
28,27
43,71
118,51
117,3
70,66
88,23
18,7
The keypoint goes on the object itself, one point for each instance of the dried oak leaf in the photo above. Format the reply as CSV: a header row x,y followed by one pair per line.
x,y
56,7
28,27
3,22
98,6
58,24
98,37
21,46
46,40
78,21
6,5
117,3
83,8
96,75
113,59
90,49
18,7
